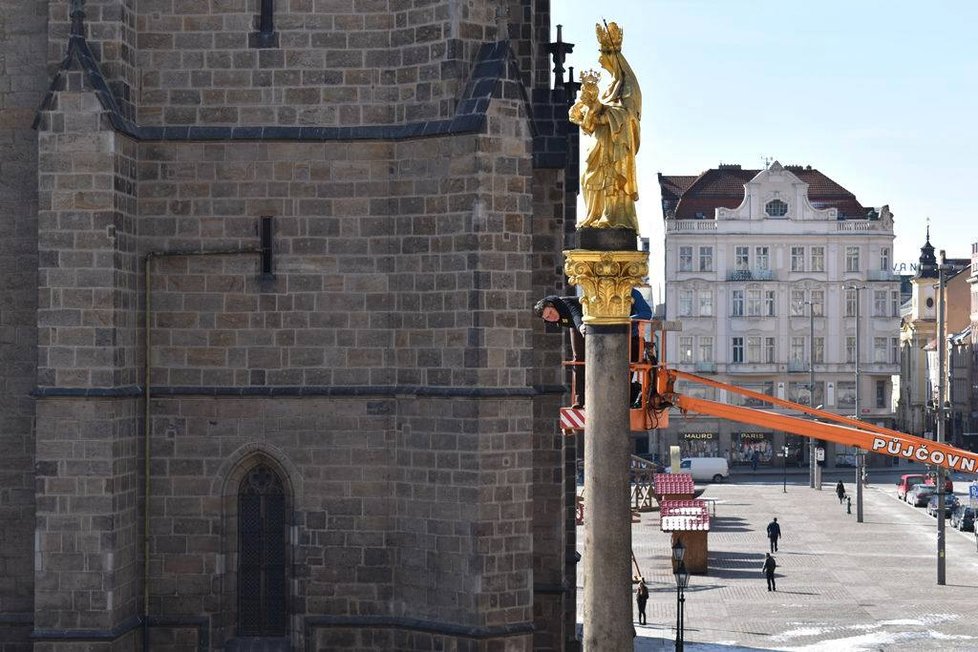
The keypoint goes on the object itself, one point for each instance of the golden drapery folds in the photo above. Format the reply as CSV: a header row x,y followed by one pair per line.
x,y
609,181
607,279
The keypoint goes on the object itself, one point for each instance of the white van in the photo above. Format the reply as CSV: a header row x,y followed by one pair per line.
x,y
704,468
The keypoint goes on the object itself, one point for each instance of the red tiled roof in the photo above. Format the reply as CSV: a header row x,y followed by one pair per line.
x,y
723,187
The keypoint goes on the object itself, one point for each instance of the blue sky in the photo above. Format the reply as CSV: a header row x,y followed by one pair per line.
x,y
880,95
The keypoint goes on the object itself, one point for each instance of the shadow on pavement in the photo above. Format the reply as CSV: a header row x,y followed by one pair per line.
x,y
728,524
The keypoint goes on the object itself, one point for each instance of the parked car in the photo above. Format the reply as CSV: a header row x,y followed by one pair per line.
x,y
963,518
920,494
950,502
907,482
948,482
704,468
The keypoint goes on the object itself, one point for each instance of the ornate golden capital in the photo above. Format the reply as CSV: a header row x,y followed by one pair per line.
x,y
607,278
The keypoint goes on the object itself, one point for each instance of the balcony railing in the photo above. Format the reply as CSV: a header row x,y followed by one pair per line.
x,y
750,275
691,226
880,275
860,225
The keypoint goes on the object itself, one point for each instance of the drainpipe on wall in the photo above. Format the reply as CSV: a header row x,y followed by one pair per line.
x,y
147,374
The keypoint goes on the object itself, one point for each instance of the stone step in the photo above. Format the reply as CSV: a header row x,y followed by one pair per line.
x,y
258,644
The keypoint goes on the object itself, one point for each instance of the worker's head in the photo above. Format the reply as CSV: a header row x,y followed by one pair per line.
x,y
775,519
545,310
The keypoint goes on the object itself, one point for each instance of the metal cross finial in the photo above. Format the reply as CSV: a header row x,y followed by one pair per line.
x,y
77,17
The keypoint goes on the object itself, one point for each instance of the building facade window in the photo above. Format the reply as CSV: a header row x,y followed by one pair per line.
x,y
706,348
881,350
852,259
686,349
845,394
685,303
894,350
797,259
797,303
685,259
753,303
895,303
880,393
850,349
818,303
851,296
262,528
885,259
769,303
776,208
818,357
706,259
705,306
818,259
737,303
753,349
797,352
769,351
737,350
741,259
762,258
880,303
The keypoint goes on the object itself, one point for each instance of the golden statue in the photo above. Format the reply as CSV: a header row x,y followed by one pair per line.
x,y
609,180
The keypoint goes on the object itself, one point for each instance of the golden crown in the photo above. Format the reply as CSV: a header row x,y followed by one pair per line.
x,y
610,38
590,77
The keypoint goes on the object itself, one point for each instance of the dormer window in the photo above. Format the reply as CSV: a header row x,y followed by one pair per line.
x,y
776,208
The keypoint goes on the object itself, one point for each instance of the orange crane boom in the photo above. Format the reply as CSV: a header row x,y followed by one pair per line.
x,y
830,426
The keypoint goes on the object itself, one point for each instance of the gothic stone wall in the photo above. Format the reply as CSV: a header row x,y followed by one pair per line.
x,y
22,42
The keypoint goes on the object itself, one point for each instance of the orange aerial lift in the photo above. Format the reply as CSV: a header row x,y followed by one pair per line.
x,y
658,395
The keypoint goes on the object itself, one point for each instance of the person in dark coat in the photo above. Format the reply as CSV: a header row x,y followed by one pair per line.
x,y
840,491
774,533
768,568
641,598
566,312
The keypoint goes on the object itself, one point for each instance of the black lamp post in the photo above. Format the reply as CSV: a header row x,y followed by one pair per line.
x,y
784,478
682,581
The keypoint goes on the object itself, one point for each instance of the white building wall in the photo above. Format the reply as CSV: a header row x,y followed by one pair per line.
x,y
803,225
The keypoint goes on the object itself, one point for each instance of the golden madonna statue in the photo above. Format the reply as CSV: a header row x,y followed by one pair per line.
x,y
609,180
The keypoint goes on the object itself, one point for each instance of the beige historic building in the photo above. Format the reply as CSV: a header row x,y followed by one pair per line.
x,y
270,378
916,409
774,275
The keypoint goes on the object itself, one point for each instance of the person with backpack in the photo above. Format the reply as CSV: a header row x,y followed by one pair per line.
x,y
769,565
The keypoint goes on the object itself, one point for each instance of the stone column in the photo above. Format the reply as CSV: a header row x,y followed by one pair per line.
x,y
607,278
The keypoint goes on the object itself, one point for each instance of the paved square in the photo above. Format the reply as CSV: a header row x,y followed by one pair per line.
x,y
842,585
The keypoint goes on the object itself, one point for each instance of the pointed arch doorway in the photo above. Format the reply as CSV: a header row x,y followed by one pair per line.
x,y
262,523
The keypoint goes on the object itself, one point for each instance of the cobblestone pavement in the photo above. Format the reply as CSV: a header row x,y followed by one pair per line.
x,y
842,585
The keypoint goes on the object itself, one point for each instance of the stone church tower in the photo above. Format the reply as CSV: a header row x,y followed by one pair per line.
x,y
270,376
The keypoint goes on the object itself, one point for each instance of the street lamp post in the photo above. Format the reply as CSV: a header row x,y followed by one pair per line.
x,y
941,347
682,581
811,390
784,477
859,458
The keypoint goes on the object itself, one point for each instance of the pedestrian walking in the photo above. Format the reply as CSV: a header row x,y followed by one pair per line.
x,y
774,533
755,457
840,491
769,565
641,597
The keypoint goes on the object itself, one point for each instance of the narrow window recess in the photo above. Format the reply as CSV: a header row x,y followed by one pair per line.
x,y
265,233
